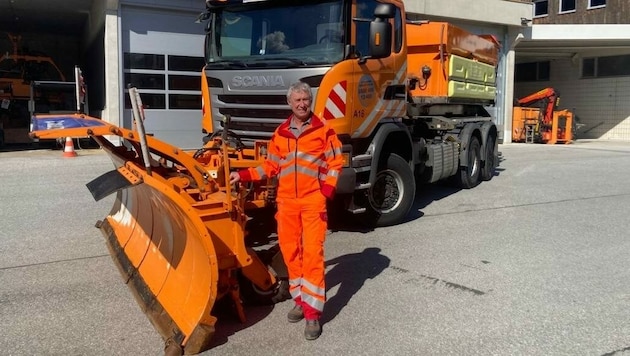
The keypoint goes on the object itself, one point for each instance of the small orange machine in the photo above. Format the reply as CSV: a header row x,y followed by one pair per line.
x,y
544,124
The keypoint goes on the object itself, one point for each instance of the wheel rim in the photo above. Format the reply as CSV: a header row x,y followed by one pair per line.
x,y
387,192
475,166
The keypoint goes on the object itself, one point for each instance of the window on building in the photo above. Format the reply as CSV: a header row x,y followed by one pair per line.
x,y
613,66
567,6
541,8
596,3
185,63
532,72
588,68
144,61
608,66
164,81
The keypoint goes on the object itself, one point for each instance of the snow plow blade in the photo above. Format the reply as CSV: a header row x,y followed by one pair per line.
x,y
176,232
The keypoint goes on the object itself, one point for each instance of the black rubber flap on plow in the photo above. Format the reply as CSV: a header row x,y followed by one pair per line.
x,y
107,184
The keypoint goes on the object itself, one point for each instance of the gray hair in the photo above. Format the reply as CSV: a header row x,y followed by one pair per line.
x,y
300,87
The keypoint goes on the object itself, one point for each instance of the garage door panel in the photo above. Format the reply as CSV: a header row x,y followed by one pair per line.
x,y
181,128
158,49
145,30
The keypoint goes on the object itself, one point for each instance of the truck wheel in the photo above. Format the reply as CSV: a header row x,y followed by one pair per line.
x,y
489,167
469,176
392,194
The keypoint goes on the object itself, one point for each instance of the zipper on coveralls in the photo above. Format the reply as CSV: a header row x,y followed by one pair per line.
x,y
295,166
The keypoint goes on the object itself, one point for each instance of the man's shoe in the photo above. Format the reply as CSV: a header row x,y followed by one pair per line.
x,y
312,330
296,314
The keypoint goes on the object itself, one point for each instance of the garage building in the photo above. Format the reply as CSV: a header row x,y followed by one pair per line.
x,y
157,46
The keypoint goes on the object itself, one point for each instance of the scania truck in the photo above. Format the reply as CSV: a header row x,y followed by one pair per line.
x,y
407,99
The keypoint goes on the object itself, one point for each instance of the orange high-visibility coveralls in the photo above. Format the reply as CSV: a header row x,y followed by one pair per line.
x,y
307,168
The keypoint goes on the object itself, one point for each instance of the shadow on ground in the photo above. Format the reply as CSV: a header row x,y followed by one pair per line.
x,y
350,272
228,322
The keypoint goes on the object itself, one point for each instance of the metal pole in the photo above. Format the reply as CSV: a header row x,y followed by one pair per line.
x,y
77,87
138,118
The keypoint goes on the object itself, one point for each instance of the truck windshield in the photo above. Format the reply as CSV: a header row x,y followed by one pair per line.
x,y
286,34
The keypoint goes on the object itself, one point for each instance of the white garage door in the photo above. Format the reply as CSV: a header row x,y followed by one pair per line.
x,y
163,58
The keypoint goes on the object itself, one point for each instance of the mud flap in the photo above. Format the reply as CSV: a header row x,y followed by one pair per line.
x,y
111,182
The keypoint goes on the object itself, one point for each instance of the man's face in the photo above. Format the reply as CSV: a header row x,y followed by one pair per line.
x,y
300,103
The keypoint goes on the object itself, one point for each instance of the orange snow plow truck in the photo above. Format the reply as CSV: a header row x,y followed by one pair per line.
x,y
407,100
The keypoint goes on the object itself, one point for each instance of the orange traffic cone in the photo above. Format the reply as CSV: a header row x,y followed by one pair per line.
x,y
68,150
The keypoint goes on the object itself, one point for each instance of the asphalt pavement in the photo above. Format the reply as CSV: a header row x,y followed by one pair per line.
x,y
533,262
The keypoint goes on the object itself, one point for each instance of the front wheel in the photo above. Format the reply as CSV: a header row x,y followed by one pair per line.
x,y
391,196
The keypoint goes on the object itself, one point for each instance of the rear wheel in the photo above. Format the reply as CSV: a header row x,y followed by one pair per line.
x,y
392,194
489,166
469,176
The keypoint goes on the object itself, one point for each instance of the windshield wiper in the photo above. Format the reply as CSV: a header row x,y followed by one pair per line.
x,y
297,62
227,64
294,61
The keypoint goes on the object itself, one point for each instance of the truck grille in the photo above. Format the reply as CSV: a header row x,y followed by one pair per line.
x,y
253,117
254,99
256,113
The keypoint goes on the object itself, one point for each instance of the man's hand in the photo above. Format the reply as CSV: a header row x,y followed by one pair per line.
x,y
234,177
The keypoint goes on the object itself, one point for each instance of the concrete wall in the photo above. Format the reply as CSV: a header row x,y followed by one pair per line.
x,y
501,12
615,12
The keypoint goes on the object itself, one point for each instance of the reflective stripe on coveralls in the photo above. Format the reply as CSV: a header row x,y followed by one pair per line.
x,y
311,160
301,233
307,168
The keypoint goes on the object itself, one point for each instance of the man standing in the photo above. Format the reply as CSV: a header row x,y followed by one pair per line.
x,y
305,154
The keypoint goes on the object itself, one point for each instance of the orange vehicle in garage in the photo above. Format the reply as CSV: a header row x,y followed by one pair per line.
x,y
17,70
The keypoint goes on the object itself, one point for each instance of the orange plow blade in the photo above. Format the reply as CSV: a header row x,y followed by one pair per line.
x,y
169,263
176,233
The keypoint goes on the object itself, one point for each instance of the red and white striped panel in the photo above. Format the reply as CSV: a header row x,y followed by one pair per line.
x,y
336,102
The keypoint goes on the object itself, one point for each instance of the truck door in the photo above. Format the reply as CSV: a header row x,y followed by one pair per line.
x,y
373,79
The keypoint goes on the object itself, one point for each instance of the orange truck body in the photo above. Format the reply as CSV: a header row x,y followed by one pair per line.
x,y
463,63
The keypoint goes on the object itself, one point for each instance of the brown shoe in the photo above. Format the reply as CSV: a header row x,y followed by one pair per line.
x,y
296,314
312,329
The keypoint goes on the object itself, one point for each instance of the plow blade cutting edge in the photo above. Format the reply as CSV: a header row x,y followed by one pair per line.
x,y
176,235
